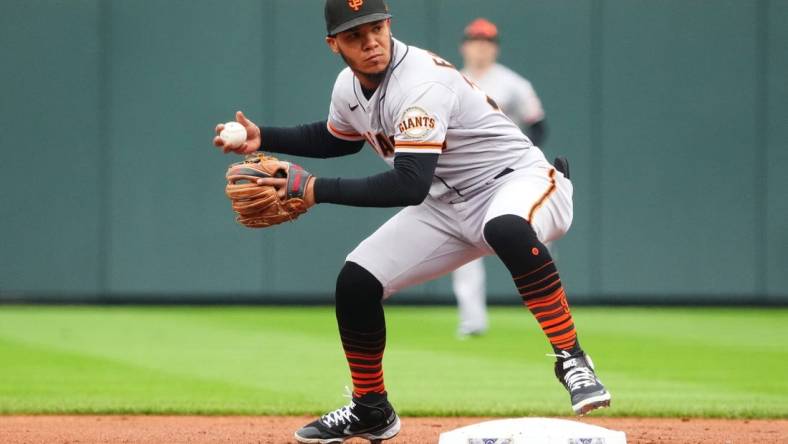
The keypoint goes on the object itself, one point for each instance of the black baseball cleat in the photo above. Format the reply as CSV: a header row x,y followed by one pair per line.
x,y
370,417
576,373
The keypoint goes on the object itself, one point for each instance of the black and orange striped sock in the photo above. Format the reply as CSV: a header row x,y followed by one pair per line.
x,y
362,327
543,294
536,278
364,353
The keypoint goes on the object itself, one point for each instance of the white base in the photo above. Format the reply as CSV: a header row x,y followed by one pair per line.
x,y
532,431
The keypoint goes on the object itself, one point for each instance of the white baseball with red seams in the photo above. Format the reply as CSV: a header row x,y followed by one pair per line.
x,y
233,134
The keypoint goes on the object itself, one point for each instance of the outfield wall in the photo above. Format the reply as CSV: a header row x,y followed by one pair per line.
x,y
674,115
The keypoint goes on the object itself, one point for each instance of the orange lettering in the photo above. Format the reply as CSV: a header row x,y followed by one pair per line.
x,y
355,4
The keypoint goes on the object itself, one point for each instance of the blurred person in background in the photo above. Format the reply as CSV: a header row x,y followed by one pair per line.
x,y
518,100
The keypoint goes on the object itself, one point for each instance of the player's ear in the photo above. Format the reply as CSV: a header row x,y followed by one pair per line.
x,y
332,44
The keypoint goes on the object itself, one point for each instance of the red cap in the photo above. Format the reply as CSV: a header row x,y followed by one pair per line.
x,y
481,29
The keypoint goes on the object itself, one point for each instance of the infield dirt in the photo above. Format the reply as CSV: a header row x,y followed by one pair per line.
x,y
279,429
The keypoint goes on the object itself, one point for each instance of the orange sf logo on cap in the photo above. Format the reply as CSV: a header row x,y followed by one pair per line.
x,y
355,4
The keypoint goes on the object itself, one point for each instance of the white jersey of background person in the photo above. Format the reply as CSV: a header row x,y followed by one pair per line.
x,y
513,93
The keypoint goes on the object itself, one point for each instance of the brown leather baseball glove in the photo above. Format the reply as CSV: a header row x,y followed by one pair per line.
x,y
259,206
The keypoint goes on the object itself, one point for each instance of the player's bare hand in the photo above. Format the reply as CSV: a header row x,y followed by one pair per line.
x,y
309,193
279,183
252,143
281,188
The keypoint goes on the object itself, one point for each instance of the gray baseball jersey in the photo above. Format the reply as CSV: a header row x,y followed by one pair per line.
x,y
425,105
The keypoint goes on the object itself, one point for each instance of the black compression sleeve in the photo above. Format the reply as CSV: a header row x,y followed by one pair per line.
x,y
407,184
310,140
537,132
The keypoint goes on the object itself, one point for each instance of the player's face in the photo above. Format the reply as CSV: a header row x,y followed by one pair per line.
x,y
365,48
479,54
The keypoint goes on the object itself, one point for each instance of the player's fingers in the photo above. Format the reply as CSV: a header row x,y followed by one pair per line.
x,y
219,128
241,118
218,142
252,144
272,181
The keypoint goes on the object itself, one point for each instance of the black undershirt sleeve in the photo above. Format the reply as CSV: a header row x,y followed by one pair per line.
x,y
407,184
309,140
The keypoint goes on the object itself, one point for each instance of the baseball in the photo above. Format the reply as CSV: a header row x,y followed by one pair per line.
x,y
233,134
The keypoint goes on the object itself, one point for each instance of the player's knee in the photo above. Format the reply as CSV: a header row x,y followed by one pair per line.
x,y
509,232
355,283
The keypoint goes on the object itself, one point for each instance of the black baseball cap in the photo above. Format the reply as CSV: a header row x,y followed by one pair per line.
x,y
342,15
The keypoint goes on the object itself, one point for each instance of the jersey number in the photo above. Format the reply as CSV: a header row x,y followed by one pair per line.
x,y
440,61
382,144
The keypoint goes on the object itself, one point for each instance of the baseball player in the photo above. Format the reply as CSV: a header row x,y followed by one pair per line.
x,y
519,101
471,183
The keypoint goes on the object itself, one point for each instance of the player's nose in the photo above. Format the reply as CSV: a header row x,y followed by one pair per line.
x,y
370,42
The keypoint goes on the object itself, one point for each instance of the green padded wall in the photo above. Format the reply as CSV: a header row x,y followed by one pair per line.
x,y
775,163
172,76
51,189
677,171
673,114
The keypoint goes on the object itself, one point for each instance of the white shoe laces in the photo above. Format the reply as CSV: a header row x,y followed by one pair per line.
x,y
341,415
564,355
578,377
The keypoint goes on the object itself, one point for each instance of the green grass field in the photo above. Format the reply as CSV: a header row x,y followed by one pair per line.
x,y
288,360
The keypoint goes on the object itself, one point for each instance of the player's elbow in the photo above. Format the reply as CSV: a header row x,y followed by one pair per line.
x,y
414,199
415,193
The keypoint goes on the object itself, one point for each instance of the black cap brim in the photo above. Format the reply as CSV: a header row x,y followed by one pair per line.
x,y
359,21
